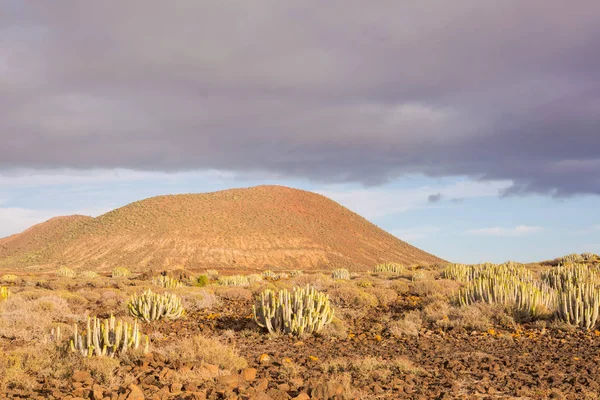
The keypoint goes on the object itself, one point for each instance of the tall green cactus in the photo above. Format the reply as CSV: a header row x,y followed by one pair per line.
x,y
302,311
233,280
120,272
579,305
88,274
4,293
150,306
340,273
166,282
393,268
66,272
106,338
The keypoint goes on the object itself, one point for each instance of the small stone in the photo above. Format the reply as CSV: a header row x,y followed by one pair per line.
x,y
135,393
213,370
176,387
264,359
262,384
326,391
249,374
81,376
229,381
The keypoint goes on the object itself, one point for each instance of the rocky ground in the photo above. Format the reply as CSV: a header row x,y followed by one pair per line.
x,y
363,356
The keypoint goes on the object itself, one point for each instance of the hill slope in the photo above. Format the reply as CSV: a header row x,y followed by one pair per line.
x,y
260,227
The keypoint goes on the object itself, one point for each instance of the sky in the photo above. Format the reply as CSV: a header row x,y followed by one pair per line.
x,y
470,128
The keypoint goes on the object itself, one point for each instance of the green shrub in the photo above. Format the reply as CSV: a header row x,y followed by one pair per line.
x,y
201,281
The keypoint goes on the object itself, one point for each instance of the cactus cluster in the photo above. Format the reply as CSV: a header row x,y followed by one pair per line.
x,y
150,306
589,256
574,258
466,273
568,274
212,273
340,273
106,338
66,272
166,282
233,280
88,274
578,304
393,268
4,293
9,278
253,278
296,273
509,284
301,311
274,276
120,272
570,291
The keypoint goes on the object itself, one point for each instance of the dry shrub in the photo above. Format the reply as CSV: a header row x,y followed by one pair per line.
x,y
336,329
478,317
319,281
364,283
199,300
384,296
410,325
351,297
400,286
200,349
428,287
28,320
235,294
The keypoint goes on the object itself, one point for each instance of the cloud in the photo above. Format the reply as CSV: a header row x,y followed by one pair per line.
x,y
520,230
434,198
343,95
379,202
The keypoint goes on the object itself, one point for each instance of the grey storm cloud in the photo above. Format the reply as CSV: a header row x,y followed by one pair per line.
x,y
434,198
338,91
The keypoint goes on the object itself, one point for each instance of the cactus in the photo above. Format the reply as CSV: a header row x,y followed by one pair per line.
x,y
166,282
253,278
120,272
9,278
88,274
575,258
234,280
105,338
393,268
66,272
4,293
268,274
340,273
212,273
150,306
304,310
566,275
579,305
296,273
589,256
530,297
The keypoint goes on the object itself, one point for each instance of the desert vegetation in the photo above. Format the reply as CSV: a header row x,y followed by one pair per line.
x,y
397,331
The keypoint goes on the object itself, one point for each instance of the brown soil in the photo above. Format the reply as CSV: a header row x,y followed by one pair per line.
x,y
261,227
367,361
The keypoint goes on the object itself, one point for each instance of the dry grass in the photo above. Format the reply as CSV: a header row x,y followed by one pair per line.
x,y
200,349
352,297
26,320
410,325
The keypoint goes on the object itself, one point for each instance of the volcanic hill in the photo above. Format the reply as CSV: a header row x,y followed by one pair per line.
x,y
261,227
